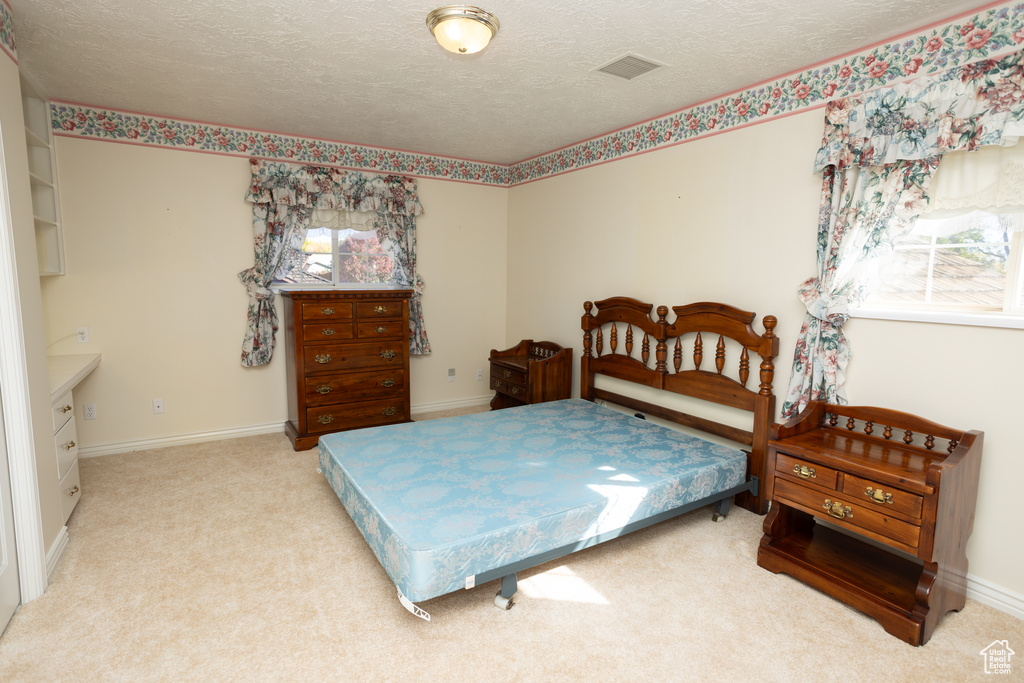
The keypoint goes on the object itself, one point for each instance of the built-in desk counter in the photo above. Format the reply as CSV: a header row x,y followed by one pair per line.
x,y
65,372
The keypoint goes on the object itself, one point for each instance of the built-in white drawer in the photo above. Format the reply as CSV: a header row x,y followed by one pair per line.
x,y
70,491
66,441
63,410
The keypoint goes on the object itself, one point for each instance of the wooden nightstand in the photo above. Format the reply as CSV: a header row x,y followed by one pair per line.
x,y
899,512
530,372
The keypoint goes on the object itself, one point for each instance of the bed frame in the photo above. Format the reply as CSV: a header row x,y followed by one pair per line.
x,y
604,318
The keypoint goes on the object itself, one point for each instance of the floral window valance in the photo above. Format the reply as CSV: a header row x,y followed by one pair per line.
x,y
286,196
961,109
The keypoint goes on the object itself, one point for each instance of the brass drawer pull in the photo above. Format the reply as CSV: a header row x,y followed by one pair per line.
x,y
837,509
69,445
805,472
73,491
878,496
381,329
507,374
325,419
322,358
380,309
65,409
328,331
327,311
499,384
515,391
387,383
387,355
390,411
323,389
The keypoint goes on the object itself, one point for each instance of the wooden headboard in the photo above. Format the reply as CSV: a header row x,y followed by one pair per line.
x,y
620,337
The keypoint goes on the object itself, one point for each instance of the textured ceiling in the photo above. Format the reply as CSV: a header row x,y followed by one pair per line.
x,y
369,72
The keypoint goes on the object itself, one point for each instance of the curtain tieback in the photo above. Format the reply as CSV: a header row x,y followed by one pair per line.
x,y
821,304
259,293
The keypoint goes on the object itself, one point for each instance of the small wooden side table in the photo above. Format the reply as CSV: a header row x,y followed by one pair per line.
x,y
530,372
873,507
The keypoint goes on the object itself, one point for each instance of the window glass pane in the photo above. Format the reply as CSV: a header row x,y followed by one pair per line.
x,y
361,258
968,277
312,264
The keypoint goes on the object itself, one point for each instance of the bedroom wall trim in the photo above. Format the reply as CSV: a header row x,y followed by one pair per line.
x,y
55,552
995,596
988,32
114,448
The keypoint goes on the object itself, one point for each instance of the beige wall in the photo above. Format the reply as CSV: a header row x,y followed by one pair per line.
x,y
154,240
732,218
15,160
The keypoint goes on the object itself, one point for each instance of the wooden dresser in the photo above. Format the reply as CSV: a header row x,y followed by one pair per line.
x,y
898,495
530,372
348,360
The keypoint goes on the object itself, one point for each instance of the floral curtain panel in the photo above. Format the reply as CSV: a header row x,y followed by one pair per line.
x,y
879,153
284,196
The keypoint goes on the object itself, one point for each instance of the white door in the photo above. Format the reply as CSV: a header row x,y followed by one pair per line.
x,y
10,593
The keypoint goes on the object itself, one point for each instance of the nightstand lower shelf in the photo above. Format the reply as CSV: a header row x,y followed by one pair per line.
x,y
876,581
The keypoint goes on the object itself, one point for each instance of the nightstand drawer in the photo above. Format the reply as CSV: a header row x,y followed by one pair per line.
x,y
848,513
507,374
505,387
326,310
808,471
883,498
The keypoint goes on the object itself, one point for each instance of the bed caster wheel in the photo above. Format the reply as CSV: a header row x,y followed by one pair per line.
x,y
501,602
717,517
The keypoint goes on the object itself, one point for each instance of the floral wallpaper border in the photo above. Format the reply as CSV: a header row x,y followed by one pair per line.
x,y
7,31
986,33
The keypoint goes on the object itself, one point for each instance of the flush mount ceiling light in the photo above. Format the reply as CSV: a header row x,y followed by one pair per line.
x,y
462,29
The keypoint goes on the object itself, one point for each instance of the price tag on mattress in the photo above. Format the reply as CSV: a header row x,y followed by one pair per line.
x,y
470,581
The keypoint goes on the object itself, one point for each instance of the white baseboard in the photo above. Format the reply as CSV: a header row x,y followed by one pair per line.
x,y
451,405
56,550
995,596
178,440
251,430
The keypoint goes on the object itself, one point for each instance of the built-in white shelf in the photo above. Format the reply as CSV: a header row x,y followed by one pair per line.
x,y
42,173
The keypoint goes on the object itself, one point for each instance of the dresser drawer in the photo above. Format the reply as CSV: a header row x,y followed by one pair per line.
x,y
354,386
787,465
509,389
63,410
328,310
324,358
66,441
332,418
370,310
381,329
848,513
882,498
70,491
327,331
514,376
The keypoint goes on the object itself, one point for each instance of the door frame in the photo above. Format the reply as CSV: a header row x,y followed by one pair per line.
x,y
17,413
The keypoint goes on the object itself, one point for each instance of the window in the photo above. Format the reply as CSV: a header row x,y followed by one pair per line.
x,y
968,263
335,257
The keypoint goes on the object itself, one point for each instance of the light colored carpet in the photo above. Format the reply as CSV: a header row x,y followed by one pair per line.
x,y
234,560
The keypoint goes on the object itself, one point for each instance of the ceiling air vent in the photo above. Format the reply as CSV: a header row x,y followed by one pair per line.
x,y
630,66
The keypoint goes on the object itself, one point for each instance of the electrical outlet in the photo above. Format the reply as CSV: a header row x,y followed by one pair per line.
x,y
82,334
89,409
158,406
451,374
479,375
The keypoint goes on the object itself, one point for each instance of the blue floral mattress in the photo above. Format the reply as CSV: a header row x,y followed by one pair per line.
x,y
441,501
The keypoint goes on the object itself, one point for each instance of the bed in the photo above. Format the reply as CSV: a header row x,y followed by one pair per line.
x,y
454,503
